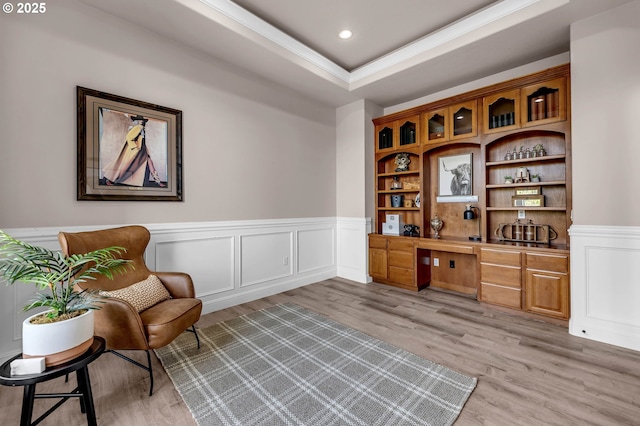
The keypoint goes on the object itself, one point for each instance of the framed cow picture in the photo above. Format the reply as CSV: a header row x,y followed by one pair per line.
x,y
455,178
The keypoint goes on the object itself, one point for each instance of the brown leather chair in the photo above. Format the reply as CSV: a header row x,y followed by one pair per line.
x,y
119,322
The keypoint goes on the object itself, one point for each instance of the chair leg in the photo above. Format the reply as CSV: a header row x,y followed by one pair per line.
x,y
147,367
193,330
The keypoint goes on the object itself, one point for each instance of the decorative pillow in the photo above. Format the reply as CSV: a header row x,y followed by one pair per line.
x,y
142,295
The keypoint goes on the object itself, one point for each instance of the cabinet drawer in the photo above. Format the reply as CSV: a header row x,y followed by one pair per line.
x,y
401,259
500,257
548,262
377,242
401,275
401,245
504,296
504,275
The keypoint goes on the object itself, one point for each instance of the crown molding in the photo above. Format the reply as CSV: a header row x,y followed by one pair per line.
x,y
483,23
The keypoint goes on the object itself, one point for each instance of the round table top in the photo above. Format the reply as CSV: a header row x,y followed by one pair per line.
x,y
94,351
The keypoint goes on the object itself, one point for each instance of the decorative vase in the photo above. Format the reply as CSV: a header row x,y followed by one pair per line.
x,y
397,201
58,342
436,225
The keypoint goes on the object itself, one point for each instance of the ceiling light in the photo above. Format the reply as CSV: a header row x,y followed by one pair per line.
x,y
345,34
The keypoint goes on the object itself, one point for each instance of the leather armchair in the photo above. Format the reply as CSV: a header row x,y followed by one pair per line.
x,y
117,321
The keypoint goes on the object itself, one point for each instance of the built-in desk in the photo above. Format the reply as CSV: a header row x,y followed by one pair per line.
x,y
447,264
523,276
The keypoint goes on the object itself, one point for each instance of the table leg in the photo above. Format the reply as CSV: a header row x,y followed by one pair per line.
x,y
27,404
84,384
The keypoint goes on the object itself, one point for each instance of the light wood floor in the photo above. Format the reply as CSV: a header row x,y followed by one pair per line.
x,y
529,372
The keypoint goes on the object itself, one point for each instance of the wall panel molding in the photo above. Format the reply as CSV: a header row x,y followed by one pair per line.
x,y
231,262
605,288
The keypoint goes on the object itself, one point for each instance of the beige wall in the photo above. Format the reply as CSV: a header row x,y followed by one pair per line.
x,y
252,150
605,80
355,147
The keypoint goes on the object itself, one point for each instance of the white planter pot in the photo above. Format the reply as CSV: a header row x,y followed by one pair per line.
x,y
58,342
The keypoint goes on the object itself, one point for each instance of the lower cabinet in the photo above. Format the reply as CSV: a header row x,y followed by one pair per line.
x,y
378,258
535,280
391,260
501,277
547,284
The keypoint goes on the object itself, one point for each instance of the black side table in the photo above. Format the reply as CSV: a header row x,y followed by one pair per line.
x,y
83,391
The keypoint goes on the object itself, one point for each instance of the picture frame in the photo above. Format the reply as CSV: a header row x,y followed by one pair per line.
x,y
128,150
455,178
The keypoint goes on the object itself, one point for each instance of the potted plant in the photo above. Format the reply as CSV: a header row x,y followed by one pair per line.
x,y
65,330
539,149
508,179
535,177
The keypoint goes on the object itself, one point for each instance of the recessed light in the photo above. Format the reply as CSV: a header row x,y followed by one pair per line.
x,y
345,34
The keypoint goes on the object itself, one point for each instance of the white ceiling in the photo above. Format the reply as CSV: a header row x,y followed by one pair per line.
x,y
401,49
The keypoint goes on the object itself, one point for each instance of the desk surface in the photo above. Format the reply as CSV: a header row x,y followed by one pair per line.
x,y
94,351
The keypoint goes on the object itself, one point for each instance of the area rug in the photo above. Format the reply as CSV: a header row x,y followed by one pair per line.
x,y
286,365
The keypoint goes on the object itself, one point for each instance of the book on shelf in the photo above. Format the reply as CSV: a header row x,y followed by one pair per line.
x,y
552,101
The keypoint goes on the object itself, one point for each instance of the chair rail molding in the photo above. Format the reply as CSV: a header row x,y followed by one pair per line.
x,y
231,262
605,288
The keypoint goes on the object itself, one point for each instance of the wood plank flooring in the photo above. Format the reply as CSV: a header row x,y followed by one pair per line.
x,y
529,372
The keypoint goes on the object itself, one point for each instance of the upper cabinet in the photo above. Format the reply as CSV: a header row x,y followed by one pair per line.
x,y
436,125
398,134
501,111
464,120
545,102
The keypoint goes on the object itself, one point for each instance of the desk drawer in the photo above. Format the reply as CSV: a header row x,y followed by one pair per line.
x,y
401,275
377,242
500,257
510,276
400,245
548,262
498,295
401,259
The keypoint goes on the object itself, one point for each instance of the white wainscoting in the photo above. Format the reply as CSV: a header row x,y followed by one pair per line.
x,y
605,284
230,262
353,249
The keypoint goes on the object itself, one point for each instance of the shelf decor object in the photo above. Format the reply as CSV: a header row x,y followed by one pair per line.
x,y
436,225
402,162
470,214
525,232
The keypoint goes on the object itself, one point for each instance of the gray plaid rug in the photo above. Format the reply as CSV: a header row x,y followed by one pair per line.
x,y
288,366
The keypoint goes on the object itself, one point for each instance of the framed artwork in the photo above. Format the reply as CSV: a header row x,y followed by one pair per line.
x,y
455,178
128,150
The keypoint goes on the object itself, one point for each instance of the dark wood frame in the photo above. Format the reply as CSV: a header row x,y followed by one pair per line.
x,y
88,185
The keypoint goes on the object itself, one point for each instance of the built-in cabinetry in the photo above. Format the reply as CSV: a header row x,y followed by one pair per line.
x,y
515,140
392,260
547,284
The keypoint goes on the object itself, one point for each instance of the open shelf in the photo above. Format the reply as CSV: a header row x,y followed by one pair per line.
x,y
527,160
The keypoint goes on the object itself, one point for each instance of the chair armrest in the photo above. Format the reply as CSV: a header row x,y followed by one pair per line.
x,y
178,284
120,325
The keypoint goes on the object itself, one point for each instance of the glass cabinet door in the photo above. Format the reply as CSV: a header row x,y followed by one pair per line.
x,y
384,135
437,125
502,111
408,132
463,120
544,102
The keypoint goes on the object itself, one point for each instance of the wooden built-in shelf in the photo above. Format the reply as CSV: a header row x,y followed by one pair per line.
x,y
526,160
475,131
398,191
550,209
408,209
410,172
518,185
